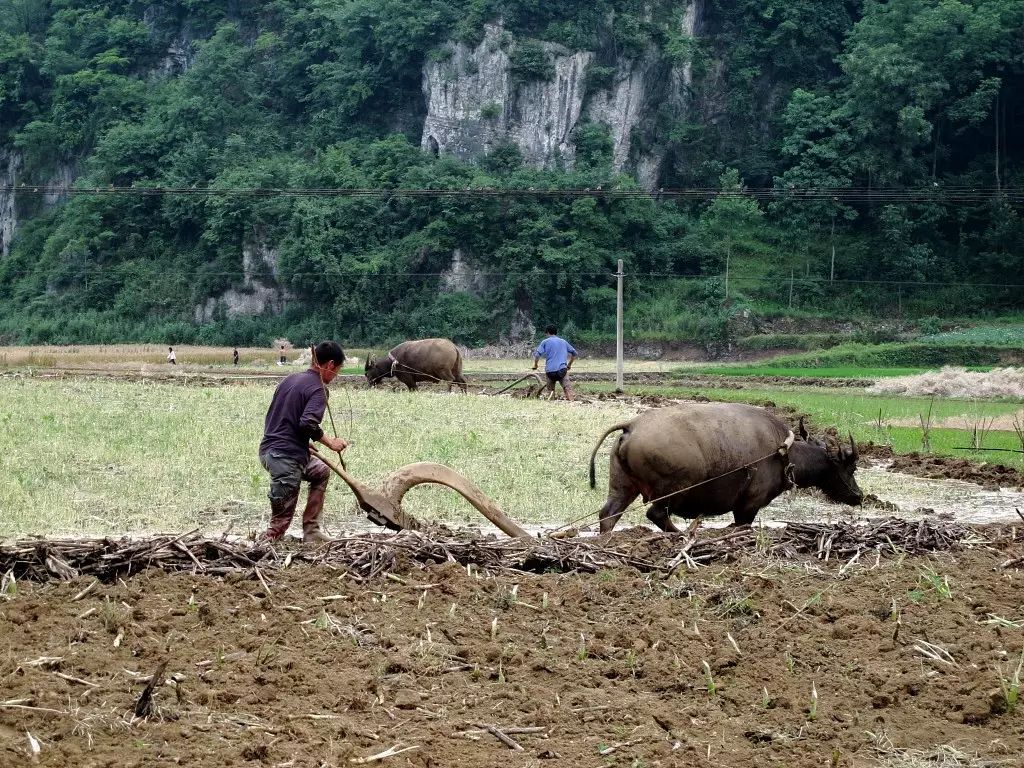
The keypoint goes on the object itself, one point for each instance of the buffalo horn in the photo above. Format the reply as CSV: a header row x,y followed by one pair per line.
x,y
787,443
853,447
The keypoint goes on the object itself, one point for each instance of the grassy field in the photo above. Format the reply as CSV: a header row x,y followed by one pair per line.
x,y
1002,335
839,372
135,355
114,457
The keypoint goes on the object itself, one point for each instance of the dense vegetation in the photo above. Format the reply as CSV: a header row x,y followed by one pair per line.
x,y
326,94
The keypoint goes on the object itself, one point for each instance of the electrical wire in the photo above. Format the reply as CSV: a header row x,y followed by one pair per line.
x,y
937,193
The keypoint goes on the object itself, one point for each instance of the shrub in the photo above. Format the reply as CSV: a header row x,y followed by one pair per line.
x,y
529,61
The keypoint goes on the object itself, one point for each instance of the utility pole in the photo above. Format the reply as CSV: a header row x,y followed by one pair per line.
x,y
728,254
998,184
832,239
618,328
790,287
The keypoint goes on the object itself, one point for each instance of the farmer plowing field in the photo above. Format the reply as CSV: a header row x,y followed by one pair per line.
x,y
292,421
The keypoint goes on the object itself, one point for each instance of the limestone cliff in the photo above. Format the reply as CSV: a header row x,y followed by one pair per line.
x,y
474,104
259,291
10,165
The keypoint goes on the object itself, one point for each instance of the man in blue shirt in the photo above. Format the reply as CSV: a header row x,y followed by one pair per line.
x,y
558,356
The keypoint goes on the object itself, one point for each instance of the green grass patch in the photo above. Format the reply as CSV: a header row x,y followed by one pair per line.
x,y
994,335
791,341
847,372
906,355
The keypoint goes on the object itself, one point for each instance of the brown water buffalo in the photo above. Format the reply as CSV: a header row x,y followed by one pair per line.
x,y
731,457
430,360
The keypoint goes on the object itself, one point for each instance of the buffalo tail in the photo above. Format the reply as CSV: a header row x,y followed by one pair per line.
x,y
593,454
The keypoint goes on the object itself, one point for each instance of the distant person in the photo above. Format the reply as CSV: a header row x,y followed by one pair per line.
x,y
171,357
281,359
292,421
558,356
234,357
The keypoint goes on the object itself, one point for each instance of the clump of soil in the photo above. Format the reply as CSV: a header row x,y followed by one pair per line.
x,y
615,668
989,476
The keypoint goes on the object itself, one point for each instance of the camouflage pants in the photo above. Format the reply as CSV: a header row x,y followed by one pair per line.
x,y
286,475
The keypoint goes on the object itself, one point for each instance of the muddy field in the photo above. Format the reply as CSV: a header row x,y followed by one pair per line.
x,y
214,375
759,662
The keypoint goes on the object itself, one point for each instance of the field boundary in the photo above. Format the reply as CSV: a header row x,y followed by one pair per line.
x,y
366,556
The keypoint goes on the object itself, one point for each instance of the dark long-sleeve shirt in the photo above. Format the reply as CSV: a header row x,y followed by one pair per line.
x,y
294,416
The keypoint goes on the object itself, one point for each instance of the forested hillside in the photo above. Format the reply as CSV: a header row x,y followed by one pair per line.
x,y
910,113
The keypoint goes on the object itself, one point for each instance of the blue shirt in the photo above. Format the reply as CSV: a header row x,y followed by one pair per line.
x,y
555,351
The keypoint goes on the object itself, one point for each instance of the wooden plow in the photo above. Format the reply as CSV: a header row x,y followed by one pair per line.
x,y
384,507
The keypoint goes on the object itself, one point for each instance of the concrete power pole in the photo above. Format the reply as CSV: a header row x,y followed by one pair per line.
x,y
618,328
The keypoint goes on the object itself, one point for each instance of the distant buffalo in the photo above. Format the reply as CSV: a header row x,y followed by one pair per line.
x,y
430,360
732,458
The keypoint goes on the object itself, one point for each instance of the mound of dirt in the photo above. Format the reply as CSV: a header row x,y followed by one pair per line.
x,y
755,664
989,476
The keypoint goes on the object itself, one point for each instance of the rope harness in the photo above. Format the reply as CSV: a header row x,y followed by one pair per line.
x,y
327,401
782,451
408,368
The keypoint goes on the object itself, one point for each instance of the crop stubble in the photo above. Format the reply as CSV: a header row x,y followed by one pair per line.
x,y
609,668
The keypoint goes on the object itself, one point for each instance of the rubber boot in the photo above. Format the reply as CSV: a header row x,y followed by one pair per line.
x,y
281,513
311,532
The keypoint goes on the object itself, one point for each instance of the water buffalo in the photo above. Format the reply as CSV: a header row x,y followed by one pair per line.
x,y
431,360
739,458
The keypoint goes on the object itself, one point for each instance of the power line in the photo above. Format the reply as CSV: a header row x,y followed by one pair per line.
x,y
768,280
962,194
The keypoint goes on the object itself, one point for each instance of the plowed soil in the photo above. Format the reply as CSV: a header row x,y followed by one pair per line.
x,y
313,669
990,476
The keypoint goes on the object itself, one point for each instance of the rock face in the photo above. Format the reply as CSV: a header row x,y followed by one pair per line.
x,y
10,166
462,278
61,181
181,49
474,104
255,296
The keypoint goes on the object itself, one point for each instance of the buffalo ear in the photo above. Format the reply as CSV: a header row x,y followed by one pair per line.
x,y
803,430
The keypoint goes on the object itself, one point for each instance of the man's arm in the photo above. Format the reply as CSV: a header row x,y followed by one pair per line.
x,y
309,423
538,353
572,354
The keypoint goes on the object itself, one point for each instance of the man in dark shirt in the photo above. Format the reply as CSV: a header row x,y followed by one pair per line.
x,y
293,419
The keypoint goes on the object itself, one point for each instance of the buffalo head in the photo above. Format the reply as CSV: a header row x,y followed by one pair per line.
x,y
828,467
376,370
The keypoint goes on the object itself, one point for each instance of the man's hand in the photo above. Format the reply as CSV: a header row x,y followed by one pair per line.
x,y
336,444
